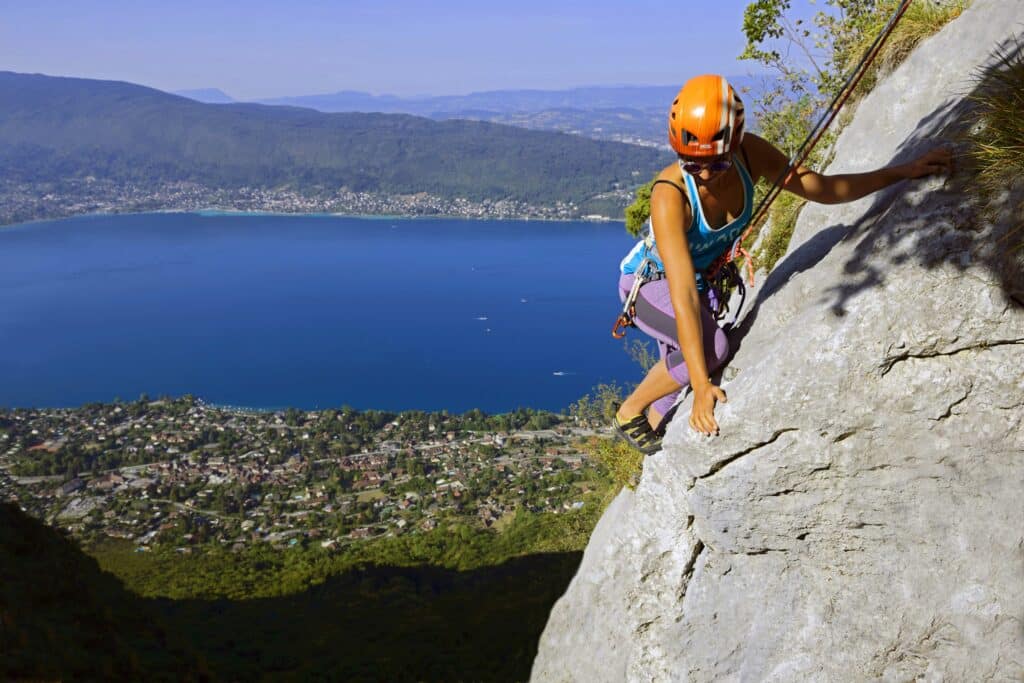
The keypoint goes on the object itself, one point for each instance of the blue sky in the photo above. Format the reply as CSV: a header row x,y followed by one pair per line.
x,y
265,49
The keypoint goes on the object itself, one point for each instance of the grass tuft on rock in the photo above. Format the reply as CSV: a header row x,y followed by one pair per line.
x,y
923,19
996,139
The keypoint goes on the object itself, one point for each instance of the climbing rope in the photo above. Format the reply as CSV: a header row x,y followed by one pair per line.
x,y
805,149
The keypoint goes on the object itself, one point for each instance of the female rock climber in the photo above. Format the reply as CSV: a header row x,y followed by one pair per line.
x,y
699,206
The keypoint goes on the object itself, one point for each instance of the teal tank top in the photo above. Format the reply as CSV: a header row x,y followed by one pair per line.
x,y
706,243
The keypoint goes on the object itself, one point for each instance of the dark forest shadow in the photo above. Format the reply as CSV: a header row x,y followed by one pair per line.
x,y
385,624
62,618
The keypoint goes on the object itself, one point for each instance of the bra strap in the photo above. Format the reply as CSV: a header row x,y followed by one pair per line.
x,y
682,190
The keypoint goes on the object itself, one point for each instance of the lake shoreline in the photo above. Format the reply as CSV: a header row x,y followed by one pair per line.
x,y
250,410
318,214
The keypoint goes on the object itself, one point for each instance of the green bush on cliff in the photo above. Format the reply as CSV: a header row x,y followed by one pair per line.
x,y
639,211
623,462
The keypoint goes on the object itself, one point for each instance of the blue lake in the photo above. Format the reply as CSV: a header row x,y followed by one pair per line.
x,y
310,311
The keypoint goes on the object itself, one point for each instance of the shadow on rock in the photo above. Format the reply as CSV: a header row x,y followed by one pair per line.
x,y
950,226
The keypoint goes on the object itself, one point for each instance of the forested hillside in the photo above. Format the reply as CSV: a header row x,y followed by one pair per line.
x,y
59,128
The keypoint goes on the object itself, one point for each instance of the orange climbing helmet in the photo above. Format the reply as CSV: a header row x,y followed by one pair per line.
x,y
706,118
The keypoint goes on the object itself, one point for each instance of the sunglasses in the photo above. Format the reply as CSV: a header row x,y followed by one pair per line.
x,y
714,165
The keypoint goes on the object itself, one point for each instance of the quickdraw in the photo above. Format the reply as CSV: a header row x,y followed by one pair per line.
x,y
644,274
726,281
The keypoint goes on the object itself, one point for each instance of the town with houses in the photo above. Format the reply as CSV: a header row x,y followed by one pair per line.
x,y
23,202
184,473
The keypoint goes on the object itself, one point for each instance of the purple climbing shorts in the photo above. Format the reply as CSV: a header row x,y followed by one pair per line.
x,y
654,315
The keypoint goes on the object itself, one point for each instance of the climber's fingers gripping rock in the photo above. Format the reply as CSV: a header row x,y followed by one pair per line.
x,y
702,416
938,160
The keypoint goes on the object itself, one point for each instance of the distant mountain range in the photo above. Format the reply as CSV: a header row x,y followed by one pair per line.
x,y
593,97
625,113
59,128
603,97
207,95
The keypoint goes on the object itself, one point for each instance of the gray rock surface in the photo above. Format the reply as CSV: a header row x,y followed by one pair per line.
x,y
861,517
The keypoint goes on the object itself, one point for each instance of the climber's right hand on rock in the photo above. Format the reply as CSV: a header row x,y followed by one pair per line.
x,y
702,416
939,160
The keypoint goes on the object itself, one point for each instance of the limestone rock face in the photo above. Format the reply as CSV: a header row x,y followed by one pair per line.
x,y
861,516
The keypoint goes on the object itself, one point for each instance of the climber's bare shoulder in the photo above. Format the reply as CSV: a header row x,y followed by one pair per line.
x,y
670,203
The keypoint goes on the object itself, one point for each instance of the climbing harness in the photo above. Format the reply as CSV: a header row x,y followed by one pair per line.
x,y
727,279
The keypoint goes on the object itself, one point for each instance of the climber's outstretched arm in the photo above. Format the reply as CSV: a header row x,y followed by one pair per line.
x,y
768,162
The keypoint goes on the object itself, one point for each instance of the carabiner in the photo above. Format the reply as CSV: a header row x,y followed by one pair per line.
x,y
621,323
